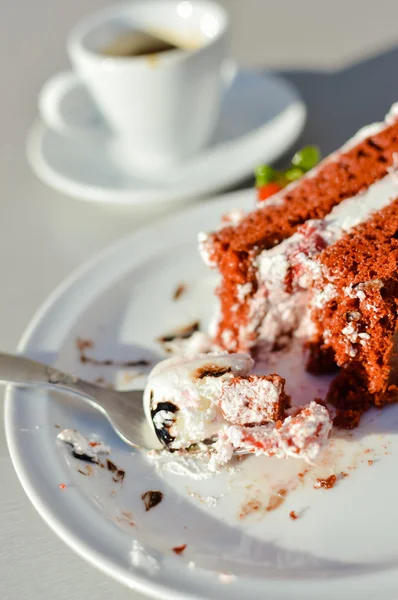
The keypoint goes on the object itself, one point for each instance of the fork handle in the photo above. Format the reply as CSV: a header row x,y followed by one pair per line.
x,y
26,372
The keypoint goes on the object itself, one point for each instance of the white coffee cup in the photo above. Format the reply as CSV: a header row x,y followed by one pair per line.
x,y
152,113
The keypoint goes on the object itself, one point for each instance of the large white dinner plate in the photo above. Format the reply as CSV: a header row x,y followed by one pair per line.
x,y
344,543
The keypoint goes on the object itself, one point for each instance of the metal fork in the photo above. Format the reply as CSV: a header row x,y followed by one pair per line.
x,y
124,410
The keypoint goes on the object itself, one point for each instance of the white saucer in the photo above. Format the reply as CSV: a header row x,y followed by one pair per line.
x,y
261,117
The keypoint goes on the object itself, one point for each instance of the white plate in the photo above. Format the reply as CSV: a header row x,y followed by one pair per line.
x,y
261,117
343,544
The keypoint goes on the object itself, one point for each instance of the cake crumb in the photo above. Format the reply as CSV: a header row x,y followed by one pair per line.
x,y
210,501
83,345
62,486
370,462
81,447
119,474
127,517
179,291
179,549
87,472
249,508
293,515
327,483
181,333
151,499
276,500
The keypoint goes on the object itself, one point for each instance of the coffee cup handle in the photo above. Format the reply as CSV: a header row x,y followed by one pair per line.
x,y
66,106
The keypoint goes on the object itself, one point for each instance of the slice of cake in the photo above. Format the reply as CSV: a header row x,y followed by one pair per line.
x,y
318,261
213,404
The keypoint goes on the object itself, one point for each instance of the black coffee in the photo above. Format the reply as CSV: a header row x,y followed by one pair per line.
x,y
139,43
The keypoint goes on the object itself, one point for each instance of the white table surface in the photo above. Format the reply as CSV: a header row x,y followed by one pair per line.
x,y
44,235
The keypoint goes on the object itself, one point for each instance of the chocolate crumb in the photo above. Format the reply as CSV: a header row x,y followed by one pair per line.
x,y
293,515
327,483
179,291
89,471
111,466
151,499
113,363
119,476
211,371
83,457
119,473
182,333
179,549
163,433
83,345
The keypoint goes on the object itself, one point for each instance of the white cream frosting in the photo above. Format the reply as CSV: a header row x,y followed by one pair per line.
x,y
205,246
199,342
183,465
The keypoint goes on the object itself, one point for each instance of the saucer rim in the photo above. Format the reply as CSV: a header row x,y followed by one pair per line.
x,y
168,194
